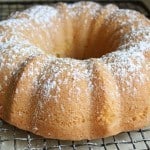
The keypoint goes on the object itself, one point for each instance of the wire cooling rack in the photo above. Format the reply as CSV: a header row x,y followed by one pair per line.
x,y
12,138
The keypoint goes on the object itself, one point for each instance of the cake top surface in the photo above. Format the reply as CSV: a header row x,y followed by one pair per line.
x,y
129,57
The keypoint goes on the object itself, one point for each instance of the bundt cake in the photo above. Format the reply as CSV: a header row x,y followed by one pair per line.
x,y
75,71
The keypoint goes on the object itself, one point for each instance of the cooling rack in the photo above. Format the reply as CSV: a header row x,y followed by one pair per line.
x,y
12,138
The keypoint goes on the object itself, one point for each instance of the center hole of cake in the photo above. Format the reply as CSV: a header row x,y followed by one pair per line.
x,y
83,49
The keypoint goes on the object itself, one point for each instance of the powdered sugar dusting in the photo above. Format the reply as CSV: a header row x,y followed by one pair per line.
x,y
58,73
127,63
51,82
129,19
79,8
39,14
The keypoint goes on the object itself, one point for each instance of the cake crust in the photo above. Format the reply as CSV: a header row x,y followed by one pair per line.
x,y
75,71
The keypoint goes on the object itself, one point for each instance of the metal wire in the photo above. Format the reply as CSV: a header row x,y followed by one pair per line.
x,y
12,138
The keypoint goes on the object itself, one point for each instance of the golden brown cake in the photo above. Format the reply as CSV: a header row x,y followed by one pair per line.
x,y
75,71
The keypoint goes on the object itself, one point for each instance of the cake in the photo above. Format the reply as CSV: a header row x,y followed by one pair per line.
x,y
75,71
